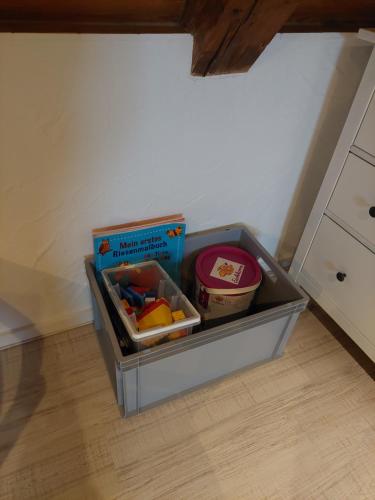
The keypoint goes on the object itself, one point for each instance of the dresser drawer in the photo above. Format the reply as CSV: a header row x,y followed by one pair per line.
x,y
353,199
366,135
352,292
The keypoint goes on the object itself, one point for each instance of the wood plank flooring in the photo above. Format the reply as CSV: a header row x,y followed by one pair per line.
x,y
302,427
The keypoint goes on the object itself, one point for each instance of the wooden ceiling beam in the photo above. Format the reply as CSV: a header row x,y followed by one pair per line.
x,y
213,25
91,16
87,25
229,35
253,35
331,15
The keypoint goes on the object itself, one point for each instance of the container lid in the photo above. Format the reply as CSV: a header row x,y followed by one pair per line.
x,y
228,270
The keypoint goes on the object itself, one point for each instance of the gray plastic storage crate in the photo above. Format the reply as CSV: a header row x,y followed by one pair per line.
x,y
144,379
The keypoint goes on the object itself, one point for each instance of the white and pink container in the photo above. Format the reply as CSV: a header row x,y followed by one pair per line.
x,y
226,280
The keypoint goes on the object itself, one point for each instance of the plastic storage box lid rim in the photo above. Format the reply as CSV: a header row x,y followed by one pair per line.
x,y
231,291
152,332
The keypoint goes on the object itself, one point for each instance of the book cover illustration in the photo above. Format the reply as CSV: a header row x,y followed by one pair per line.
x,y
164,243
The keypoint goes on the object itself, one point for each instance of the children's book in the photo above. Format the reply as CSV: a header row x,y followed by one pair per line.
x,y
160,239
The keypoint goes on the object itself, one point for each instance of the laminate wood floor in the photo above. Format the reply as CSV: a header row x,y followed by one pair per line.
x,y
301,427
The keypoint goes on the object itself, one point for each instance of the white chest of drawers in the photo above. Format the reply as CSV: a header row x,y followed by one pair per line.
x,y
335,259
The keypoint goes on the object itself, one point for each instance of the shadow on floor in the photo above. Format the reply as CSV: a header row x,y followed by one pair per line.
x,y
343,338
40,422
30,383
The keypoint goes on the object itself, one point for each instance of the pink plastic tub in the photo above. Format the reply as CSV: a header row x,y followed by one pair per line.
x,y
226,280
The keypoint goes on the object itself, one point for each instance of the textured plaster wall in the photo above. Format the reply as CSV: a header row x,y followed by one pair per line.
x,y
97,130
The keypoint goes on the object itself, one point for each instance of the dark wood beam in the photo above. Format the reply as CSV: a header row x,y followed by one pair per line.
x,y
91,16
213,25
331,15
164,16
87,25
229,35
253,35
146,11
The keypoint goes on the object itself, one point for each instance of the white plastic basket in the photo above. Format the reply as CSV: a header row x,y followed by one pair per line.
x,y
151,275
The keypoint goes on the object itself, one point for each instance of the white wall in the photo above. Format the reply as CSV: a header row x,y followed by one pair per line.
x,y
97,130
